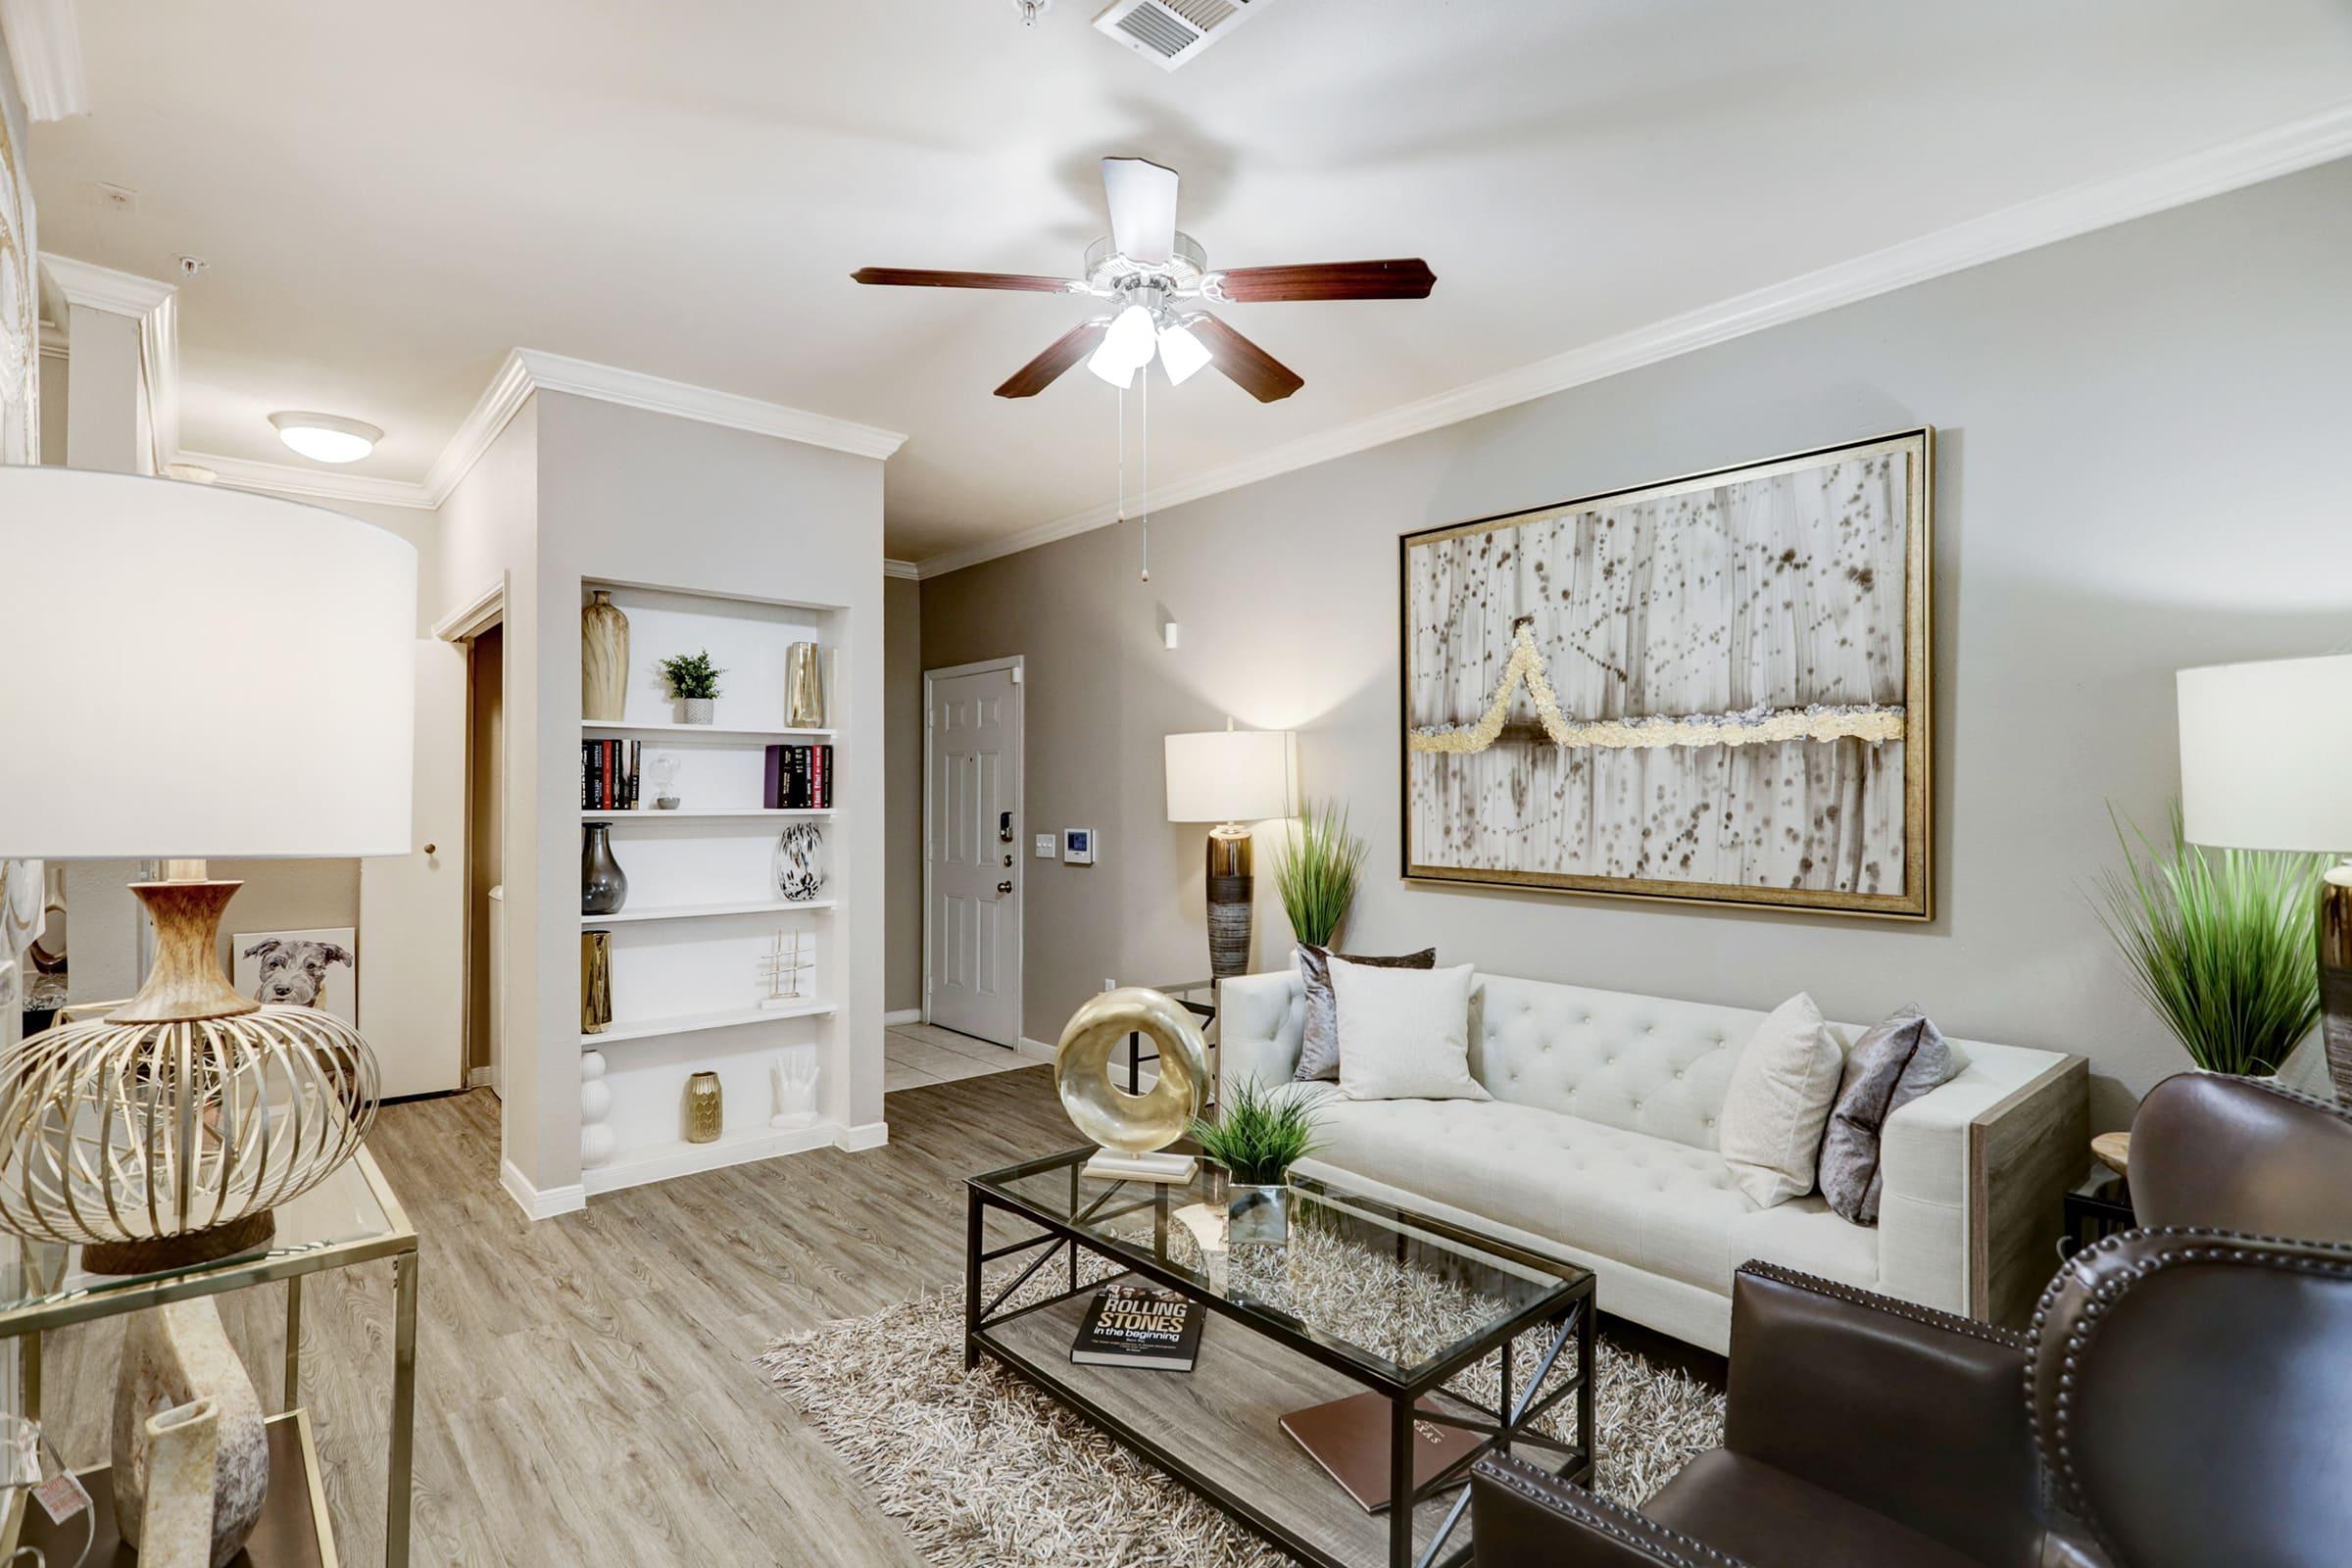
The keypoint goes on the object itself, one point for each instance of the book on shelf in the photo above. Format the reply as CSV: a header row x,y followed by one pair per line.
x,y
608,774
1133,1325
1349,1437
799,779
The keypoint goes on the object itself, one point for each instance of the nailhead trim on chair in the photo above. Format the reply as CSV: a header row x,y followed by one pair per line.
x,y
2226,1247
2339,1113
1989,1333
1603,1516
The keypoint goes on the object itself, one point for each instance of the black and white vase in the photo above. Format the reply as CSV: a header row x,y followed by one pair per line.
x,y
800,877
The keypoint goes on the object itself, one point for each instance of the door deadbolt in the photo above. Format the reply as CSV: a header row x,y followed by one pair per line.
x,y
1004,887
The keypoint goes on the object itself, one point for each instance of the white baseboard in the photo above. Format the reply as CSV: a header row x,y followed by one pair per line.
x,y
862,1137
481,1077
536,1203
688,1160
903,1016
1035,1049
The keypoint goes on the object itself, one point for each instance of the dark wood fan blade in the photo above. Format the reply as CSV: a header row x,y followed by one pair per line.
x,y
1249,366
916,278
1044,370
1406,277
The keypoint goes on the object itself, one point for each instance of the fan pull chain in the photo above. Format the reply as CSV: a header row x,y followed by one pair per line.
x,y
1144,497
1122,454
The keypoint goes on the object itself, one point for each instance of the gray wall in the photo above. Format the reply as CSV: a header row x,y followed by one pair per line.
x,y
903,793
2138,472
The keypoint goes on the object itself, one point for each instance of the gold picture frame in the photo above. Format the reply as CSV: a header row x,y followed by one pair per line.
x,y
1494,768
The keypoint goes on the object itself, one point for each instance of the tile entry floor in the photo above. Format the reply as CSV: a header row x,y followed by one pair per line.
x,y
917,1056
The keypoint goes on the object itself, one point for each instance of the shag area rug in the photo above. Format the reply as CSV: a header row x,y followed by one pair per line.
x,y
986,1472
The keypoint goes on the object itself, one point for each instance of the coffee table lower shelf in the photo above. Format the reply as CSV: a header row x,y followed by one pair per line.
x,y
294,1531
1218,1429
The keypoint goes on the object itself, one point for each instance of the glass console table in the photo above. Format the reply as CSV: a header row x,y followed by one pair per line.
x,y
349,1219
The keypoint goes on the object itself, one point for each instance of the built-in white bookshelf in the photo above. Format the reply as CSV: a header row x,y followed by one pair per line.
x,y
704,908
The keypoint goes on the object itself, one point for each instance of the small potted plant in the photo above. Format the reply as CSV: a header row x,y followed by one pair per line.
x,y
693,683
1320,872
1257,1137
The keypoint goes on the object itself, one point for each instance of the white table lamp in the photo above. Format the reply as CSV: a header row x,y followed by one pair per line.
x,y
1231,777
2266,763
238,680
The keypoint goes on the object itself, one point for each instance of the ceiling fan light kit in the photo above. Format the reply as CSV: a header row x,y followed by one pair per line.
x,y
1151,270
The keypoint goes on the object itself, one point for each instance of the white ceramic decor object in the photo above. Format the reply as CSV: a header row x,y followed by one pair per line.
x,y
183,1461
794,1078
595,1110
172,1356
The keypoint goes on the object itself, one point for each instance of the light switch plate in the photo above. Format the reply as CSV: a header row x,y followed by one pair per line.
x,y
1077,845
1045,845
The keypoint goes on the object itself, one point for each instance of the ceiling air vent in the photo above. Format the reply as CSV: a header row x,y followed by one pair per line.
x,y
1169,33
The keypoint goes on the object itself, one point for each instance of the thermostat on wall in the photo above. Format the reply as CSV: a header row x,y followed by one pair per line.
x,y
1077,845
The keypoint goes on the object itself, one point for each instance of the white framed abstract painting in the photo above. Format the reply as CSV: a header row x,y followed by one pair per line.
x,y
1711,689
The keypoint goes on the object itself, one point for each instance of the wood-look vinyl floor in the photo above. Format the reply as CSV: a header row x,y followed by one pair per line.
x,y
585,1387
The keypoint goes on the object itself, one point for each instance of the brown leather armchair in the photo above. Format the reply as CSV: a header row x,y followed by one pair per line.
x,y
2181,1402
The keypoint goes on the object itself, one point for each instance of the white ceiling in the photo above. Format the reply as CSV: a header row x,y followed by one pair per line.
x,y
391,197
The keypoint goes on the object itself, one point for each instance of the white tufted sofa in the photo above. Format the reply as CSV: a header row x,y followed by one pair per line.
x,y
1599,1148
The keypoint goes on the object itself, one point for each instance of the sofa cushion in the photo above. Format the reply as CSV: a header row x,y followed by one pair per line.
x,y
1404,1033
1768,1518
1647,1202
1779,1102
1644,1064
1319,1040
1896,1062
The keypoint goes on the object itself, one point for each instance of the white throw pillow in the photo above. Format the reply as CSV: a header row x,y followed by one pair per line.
x,y
1404,1034
1779,1102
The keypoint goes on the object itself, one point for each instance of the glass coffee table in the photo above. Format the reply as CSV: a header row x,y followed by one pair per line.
x,y
1449,1328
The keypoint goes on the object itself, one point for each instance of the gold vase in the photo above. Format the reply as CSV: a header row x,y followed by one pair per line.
x,y
596,982
2335,977
805,686
705,1110
603,658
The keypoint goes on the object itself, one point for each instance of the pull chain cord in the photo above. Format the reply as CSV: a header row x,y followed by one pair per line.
x,y
1122,458
1144,498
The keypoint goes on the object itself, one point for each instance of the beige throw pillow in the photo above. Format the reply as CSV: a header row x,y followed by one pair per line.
x,y
1779,1102
1404,1033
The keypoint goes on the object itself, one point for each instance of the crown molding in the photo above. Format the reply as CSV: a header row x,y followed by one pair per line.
x,y
2265,155
45,41
310,484
554,373
900,569
508,390
155,306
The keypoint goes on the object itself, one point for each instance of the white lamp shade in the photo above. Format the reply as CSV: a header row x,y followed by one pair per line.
x,y
2266,754
1228,775
197,672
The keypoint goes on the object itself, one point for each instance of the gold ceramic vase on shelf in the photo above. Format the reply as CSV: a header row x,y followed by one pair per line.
x,y
705,1110
596,982
603,658
805,686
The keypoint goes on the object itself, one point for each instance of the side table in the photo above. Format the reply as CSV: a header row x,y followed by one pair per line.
x,y
2099,1206
349,1219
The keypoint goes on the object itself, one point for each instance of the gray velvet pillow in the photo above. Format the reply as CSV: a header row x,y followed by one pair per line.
x,y
1319,1051
1893,1064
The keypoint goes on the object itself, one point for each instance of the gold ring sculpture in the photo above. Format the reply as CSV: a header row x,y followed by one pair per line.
x,y
1132,1125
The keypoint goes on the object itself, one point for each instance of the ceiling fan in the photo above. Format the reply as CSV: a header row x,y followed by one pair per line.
x,y
1152,271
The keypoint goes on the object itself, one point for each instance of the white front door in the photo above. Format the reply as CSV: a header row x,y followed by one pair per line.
x,y
972,863
412,905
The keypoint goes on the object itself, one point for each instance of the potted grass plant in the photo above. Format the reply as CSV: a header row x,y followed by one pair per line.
x,y
1257,1137
693,683
1320,872
2219,943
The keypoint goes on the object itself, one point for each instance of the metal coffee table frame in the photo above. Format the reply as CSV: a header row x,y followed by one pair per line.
x,y
1564,1315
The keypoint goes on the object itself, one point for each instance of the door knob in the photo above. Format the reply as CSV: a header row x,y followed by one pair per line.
x,y
432,849
1004,887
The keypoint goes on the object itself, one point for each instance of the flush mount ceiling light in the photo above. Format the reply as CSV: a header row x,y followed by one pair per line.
x,y
326,437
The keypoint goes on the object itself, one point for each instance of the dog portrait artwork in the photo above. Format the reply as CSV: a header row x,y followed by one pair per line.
x,y
300,969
